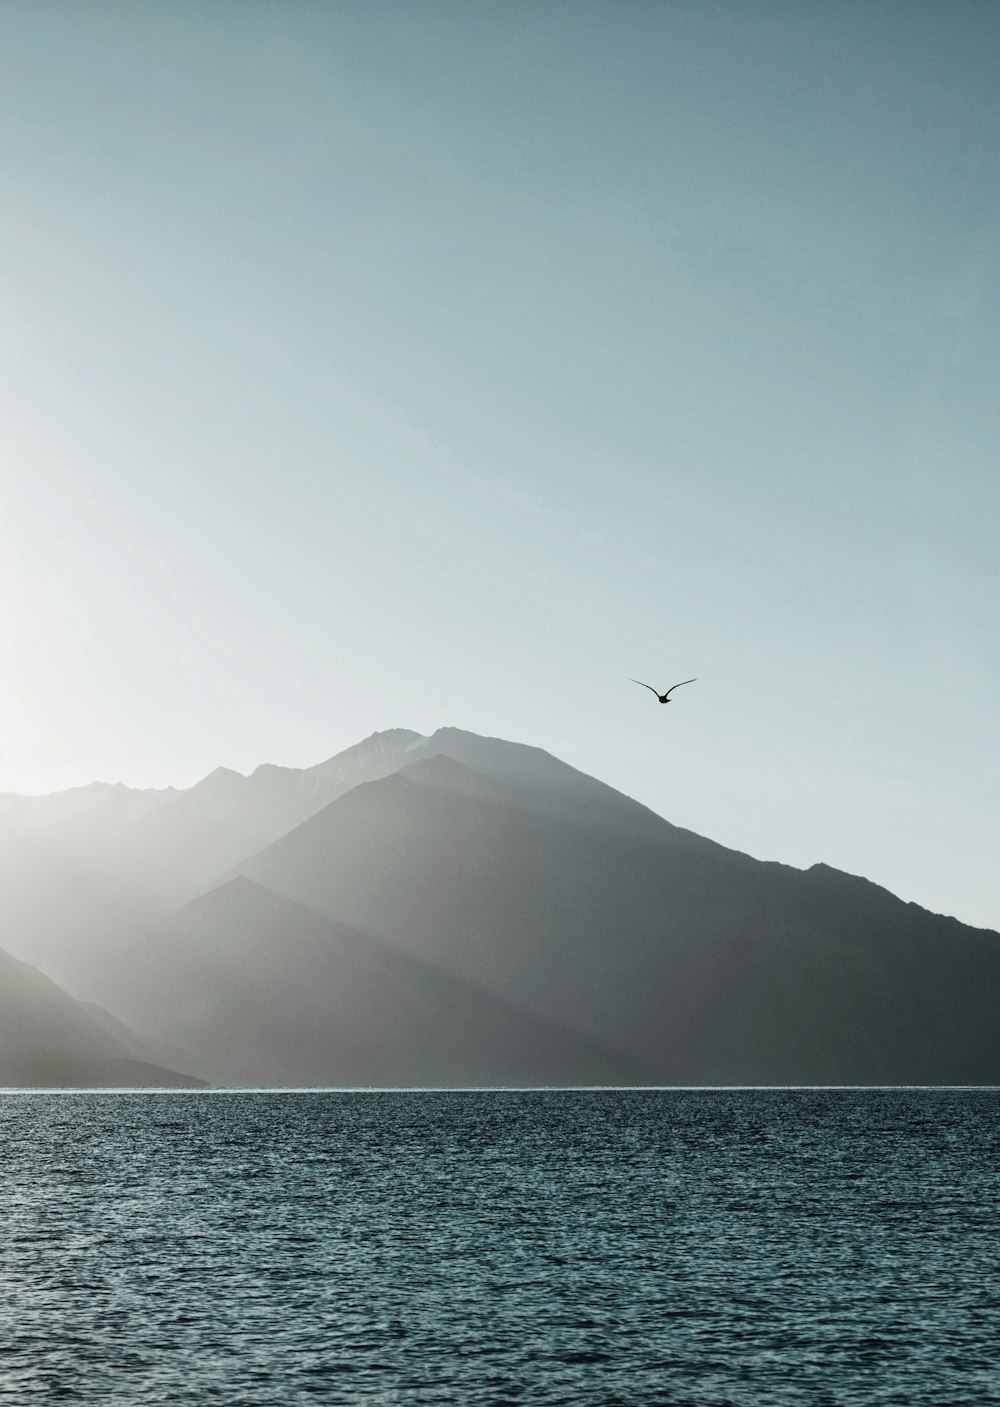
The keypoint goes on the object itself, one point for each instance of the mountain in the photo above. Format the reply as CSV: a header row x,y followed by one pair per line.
x,y
80,870
699,963
99,800
47,1038
259,990
458,909
100,857
182,847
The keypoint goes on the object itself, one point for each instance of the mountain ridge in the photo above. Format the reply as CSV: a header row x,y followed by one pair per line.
x,y
375,744
450,873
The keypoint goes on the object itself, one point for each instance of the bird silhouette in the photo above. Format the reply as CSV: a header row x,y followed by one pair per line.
x,y
663,698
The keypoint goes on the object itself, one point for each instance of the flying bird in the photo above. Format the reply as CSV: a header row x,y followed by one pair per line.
x,y
663,698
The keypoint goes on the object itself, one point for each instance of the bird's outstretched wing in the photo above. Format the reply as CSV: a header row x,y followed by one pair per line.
x,y
646,686
677,686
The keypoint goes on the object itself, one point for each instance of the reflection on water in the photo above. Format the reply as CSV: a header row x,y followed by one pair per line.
x,y
633,1248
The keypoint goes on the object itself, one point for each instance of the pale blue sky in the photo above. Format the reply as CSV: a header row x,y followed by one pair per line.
x,y
374,364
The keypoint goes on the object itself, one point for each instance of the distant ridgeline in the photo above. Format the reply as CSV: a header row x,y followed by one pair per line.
x,y
456,910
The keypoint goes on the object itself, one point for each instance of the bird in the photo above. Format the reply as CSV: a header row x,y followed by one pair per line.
x,y
663,698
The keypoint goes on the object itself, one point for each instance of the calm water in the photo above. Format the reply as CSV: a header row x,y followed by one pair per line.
x,y
741,1247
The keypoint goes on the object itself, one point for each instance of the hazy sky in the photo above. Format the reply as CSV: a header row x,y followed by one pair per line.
x,y
374,364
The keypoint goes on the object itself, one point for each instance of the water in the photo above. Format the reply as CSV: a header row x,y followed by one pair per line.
x,y
637,1248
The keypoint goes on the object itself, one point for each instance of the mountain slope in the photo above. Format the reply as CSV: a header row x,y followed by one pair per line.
x,y
49,1039
702,963
262,991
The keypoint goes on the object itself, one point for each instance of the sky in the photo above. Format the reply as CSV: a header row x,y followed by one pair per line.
x,y
418,364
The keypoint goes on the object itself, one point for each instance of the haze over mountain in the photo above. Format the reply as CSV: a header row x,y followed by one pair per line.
x,y
47,1038
465,910
78,866
260,990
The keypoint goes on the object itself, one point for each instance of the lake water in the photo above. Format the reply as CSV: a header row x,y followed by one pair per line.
x,y
639,1248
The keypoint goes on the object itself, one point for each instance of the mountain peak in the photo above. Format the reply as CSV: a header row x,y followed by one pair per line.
x,y
219,777
388,741
377,746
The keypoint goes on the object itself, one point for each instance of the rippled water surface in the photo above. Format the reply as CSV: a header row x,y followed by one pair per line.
x,y
646,1247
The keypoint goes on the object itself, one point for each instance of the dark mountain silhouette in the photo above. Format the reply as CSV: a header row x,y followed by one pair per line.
x,y
700,963
458,909
48,1038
